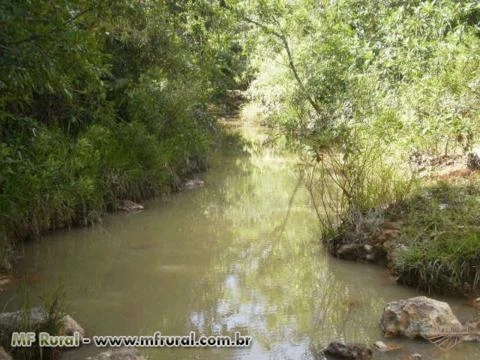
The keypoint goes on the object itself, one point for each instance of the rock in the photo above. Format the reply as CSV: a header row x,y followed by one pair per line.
x,y
4,355
473,325
12,321
128,205
356,251
37,317
123,353
418,317
370,257
473,159
381,346
472,328
350,251
194,183
70,326
5,281
348,351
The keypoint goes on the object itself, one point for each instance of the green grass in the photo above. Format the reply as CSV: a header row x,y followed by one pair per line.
x,y
440,241
54,182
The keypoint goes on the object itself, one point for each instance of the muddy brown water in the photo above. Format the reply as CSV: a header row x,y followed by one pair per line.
x,y
226,257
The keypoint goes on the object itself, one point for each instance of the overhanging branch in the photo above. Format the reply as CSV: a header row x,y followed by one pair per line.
x,y
280,35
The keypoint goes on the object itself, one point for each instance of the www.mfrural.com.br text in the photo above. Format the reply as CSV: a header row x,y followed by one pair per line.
x,y
44,339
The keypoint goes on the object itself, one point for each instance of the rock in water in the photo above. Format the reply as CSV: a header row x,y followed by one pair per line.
x,y
14,321
418,317
381,346
350,251
348,351
69,326
119,354
37,317
128,205
194,183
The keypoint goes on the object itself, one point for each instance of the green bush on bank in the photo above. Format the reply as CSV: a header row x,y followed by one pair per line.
x,y
102,101
440,239
55,182
361,88
405,77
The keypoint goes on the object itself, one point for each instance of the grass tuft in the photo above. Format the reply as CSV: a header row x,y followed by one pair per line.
x,y
439,244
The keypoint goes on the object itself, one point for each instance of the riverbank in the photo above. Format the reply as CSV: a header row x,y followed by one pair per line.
x,y
241,252
101,105
49,191
430,239
115,173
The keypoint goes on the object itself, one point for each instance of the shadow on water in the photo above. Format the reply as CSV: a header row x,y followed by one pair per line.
x,y
240,254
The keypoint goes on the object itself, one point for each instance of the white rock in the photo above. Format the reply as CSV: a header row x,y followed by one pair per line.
x,y
418,317
194,183
381,346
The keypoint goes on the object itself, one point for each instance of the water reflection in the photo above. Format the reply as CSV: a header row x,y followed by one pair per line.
x,y
240,254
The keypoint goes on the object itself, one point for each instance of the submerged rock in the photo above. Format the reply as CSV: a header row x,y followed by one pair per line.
x,y
69,326
364,237
358,251
36,318
418,317
350,251
341,350
415,356
193,183
128,205
381,346
119,354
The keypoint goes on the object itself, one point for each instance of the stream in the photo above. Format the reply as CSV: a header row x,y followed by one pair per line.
x,y
241,253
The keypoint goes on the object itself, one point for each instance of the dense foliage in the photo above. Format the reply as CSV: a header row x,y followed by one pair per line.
x,y
356,58
366,90
105,100
376,81
440,239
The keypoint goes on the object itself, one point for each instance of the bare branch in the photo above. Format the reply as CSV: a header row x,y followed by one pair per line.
x,y
280,35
